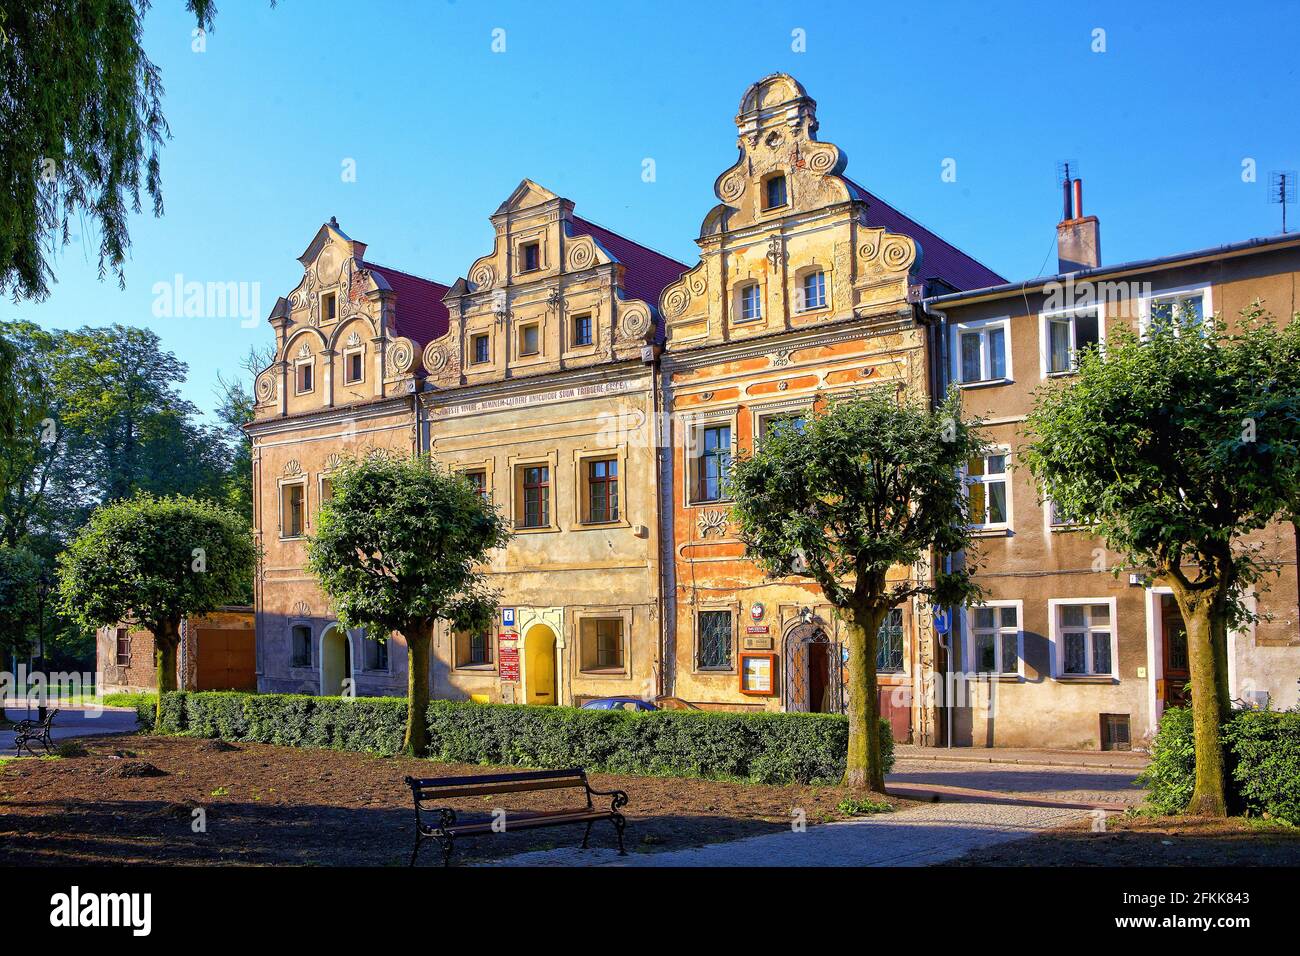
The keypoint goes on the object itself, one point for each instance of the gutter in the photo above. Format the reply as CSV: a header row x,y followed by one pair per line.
x,y
1229,251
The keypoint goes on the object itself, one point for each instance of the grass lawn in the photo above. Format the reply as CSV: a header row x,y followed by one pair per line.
x,y
1151,841
131,799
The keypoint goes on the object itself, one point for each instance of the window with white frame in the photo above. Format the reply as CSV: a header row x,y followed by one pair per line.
x,y
993,636
354,369
1183,309
1066,334
812,291
1057,516
1084,638
751,302
987,491
710,461
980,352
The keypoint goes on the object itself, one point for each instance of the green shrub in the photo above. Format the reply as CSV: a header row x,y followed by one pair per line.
x,y
1266,748
369,724
1263,754
763,747
854,807
1170,776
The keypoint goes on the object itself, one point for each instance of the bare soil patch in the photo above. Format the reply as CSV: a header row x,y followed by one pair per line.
x,y
269,805
1149,841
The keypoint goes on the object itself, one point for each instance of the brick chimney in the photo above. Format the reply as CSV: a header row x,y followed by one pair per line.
x,y
1078,237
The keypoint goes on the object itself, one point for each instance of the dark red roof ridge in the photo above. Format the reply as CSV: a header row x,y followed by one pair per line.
x,y
940,258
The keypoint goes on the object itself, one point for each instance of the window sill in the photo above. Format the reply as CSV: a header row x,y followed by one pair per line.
x,y
1067,528
715,671
999,677
1087,678
541,530
605,672
709,502
293,537
995,531
600,525
1066,374
814,309
986,383
475,668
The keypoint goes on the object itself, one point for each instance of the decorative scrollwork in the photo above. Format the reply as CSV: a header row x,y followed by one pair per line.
x,y
292,468
401,356
898,253
635,321
732,186
677,300
332,461
581,255
354,340
483,276
711,522
266,386
301,609
436,358
822,160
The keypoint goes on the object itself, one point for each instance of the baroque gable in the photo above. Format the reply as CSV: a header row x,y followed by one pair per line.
x,y
788,222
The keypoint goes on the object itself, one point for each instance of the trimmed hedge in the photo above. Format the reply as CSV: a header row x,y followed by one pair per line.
x,y
1263,754
762,747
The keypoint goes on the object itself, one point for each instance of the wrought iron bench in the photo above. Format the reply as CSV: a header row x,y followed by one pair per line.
x,y
447,829
26,731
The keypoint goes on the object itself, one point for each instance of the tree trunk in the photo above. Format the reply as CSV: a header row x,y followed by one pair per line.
x,y
166,639
418,641
1206,628
863,768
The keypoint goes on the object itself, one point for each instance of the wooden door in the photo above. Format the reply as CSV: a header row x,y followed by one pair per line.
x,y
226,659
1177,671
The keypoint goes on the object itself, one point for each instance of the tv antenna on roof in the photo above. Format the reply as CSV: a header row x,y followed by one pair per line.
x,y
1067,173
1281,190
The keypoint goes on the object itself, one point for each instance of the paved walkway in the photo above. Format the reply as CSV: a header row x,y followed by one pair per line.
x,y
917,837
1118,759
981,804
73,722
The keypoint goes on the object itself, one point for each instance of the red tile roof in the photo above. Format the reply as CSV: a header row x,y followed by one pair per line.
x,y
419,314
939,259
646,272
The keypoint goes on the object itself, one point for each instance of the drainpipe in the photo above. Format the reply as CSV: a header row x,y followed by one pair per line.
x,y
663,519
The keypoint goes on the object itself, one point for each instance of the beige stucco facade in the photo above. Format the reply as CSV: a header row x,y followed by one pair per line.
x,y
1038,566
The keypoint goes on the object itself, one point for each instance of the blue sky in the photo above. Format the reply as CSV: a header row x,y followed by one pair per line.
x,y
441,129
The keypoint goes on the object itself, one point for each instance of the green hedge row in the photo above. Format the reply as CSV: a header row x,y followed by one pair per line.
x,y
762,747
1263,754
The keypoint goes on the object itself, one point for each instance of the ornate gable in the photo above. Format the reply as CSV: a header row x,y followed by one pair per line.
x,y
789,245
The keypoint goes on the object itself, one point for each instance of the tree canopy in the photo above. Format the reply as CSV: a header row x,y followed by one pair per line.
x,y
871,483
82,125
399,546
156,561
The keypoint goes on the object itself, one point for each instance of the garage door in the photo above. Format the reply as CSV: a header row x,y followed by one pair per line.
x,y
227,659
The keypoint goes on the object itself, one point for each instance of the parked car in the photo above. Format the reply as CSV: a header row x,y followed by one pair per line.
x,y
619,703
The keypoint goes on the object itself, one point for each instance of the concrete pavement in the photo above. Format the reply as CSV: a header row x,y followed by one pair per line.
x,y
981,804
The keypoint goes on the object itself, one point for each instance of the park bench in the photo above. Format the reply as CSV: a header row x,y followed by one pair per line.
x,y
426,792
26,731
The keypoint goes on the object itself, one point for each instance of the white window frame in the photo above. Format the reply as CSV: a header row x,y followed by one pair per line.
x,y
967,481
740,301
1205,291
1049,504
301,482
801,298
694,443
983,327
1044,340
297,364
1057,639
347,356
968,638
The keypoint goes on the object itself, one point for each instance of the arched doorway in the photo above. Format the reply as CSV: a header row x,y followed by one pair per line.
x,y
814,671
539,666
335,660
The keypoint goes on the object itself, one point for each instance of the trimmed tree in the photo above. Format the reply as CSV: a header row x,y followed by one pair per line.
x,y
870,484
156,561
399,546
1174,447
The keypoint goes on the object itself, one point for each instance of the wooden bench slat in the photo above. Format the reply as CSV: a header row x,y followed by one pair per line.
x,y
524,822
518,777
492,788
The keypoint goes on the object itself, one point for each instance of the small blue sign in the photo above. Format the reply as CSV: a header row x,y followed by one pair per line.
x,y
941,621
507,617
